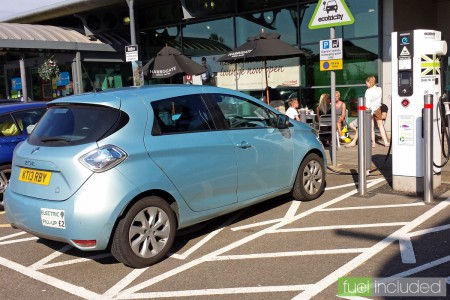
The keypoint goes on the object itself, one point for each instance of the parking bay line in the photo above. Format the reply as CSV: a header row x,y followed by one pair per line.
x,y
365,256
126,294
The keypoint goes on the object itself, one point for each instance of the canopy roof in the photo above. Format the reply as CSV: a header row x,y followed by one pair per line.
x,y
32,36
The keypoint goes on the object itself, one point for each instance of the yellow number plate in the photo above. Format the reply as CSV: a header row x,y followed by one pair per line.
x,y
35,176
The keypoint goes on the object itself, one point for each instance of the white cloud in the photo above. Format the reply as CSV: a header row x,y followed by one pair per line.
x,y
14,7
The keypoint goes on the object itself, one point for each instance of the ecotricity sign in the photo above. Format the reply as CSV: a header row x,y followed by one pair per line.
x,y
330,13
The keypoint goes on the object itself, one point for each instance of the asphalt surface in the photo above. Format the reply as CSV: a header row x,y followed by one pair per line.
x,y
280,249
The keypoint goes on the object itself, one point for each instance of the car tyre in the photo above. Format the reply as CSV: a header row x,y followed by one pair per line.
x,y
5,173
145,234
310,180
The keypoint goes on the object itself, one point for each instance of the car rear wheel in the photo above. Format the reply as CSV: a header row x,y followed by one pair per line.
x,y
146,233
5,173
310,180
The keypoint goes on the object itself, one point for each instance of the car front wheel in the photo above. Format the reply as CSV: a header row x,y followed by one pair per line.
x,y
310,180
145,235
5,173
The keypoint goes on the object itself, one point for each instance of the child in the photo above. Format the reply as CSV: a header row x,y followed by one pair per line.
x,y
292,110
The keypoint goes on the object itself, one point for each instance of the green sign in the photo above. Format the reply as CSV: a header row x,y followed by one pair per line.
x,y
330,13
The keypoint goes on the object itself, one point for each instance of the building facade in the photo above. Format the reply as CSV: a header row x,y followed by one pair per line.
x,y
210,28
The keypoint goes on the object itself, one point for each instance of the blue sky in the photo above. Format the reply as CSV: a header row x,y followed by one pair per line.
x,y
12,7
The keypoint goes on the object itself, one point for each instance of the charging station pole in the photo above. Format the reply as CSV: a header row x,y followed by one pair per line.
x,y
362,183
428,149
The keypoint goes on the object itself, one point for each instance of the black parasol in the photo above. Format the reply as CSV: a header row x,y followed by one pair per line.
x,y
262,47
168,62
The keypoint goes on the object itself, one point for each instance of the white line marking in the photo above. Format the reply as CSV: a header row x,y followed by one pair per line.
x,y
225,291
354,184
37,265
289,214
331,227
429,230
375,206
52,281
407,250
209,236
126,293
123,283
2,212
421,268
5,225
11,235
363,257
289,254
256,224
353,297
75,261
19,241
292,209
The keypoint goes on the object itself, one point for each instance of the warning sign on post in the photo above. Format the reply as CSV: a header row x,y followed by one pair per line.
x,y
331,55
131,53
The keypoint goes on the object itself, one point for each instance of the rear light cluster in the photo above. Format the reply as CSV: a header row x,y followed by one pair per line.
x,y
103,158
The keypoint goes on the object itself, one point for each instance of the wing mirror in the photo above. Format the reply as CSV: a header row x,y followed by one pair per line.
x,y
282,121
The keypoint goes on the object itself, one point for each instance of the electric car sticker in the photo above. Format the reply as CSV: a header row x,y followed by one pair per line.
x,y
430,65
53,218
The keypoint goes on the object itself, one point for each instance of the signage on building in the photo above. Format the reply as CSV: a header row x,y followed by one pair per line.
x,y
63,79
16,84
131,53
331,55
330,13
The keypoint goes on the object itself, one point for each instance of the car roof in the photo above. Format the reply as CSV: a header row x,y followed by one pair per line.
x,y
112,97
9,107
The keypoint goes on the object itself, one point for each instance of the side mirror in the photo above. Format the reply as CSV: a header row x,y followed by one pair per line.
x,y
282,121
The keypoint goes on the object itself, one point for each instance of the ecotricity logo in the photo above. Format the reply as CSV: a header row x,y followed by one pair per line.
x,y
329,6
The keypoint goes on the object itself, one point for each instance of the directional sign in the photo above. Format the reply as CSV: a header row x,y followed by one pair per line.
x,y
131,53
330,13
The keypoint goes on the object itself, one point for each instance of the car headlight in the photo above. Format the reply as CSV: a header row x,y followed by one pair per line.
x,y
103,158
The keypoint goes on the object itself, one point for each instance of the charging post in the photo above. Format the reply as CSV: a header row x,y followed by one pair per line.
x,y
428,149
416,69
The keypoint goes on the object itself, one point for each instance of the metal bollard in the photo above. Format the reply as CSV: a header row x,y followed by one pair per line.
x,y
368,131
362,144
428,149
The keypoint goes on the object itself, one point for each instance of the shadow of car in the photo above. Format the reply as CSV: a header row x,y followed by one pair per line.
x,y
15,118
124,169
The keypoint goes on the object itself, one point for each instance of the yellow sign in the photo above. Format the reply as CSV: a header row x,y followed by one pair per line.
x,y
331,65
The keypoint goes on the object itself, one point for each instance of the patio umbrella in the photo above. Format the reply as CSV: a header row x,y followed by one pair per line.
x,y
168,62
262,47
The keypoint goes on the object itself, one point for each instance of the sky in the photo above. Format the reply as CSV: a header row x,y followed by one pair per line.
x,y
13,7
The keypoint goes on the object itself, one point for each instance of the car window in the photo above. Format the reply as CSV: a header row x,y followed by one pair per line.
x,y
76,124
243,113
27,119
181,114
8,127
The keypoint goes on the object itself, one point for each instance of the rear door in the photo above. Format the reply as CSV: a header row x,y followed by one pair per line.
x,y
198,159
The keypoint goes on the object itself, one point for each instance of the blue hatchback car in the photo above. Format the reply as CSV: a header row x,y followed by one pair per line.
x,y
124,169
15,118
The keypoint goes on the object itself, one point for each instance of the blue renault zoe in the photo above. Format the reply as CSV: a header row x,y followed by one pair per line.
x,y
125,169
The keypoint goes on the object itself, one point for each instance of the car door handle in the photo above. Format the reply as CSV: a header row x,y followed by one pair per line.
x,y
243,145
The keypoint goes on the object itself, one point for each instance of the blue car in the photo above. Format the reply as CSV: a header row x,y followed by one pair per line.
x,y
15,118
125,169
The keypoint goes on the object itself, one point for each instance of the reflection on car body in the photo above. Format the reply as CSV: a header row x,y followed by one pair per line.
x,y
124,169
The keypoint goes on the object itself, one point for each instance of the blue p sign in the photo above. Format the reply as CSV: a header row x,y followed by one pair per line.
x,y
325,44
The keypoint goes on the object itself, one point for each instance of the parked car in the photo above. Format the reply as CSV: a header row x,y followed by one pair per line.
x,y
15,118
124,169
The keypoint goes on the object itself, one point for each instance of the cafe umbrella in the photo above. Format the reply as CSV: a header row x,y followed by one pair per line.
x,y
262,47
169,62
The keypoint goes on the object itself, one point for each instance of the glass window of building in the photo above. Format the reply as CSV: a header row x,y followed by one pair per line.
x,y
282,21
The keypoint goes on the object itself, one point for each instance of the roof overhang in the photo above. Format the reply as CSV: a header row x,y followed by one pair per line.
x,y
46,37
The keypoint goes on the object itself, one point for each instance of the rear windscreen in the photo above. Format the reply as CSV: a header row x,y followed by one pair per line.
x,y
76,124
